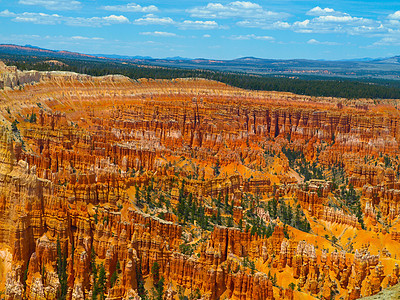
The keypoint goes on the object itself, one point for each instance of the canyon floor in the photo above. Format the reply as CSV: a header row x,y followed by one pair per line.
x,y
112,188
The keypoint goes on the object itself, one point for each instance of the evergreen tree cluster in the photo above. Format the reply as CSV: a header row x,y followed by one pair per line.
x,y
157,292
350,89
338,174
349,195
62,271
288,215
352,201
387,161
297,160
114,276
293,156
249,264
258,226
190,210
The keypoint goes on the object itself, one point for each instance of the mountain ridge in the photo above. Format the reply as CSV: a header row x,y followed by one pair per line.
x,y
381,68
28,47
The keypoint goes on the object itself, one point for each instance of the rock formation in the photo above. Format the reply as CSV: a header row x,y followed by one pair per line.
x,y
211,190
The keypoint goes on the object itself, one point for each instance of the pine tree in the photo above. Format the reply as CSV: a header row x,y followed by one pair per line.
x,y
155,271
359,215
137,194
114,275
62,271
159,289
101,282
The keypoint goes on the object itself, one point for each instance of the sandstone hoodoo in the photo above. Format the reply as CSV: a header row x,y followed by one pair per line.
x,y
159,189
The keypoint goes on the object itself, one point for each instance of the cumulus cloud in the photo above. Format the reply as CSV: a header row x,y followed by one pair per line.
x,y
188,24
159,33
252,37
85,38
327,20
280,25
37,18
34,38
53,19
116,19
96,21
131,7
316,42
395,15
264,24
237,9
318,11
151,19
53,4
392,22
390,35
247,14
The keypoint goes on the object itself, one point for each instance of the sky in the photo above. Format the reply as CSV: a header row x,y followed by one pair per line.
x,y
279,29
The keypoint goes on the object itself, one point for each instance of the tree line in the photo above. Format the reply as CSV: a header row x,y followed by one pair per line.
x,y
320,88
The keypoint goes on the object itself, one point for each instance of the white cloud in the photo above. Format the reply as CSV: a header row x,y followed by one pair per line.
x,y
34,38
327,20
206,36
264,24
96,21
237,9
159,33
53,4
37,18
323,20
188,24
131,7
393,23
6,13
47,19
78,37
313,42
251,37
302,24
280,25
116,19
395,15
316,42
390,39
339,19
318,11
151,19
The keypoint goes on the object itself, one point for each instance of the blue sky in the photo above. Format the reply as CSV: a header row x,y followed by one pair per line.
x,y
207,29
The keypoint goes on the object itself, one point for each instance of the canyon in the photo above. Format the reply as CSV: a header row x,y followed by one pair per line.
x,y
113,188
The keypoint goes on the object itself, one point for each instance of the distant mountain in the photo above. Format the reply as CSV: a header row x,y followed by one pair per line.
x,y
177,58
359,59
35,47
124,57
386,68
32,50
389,60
